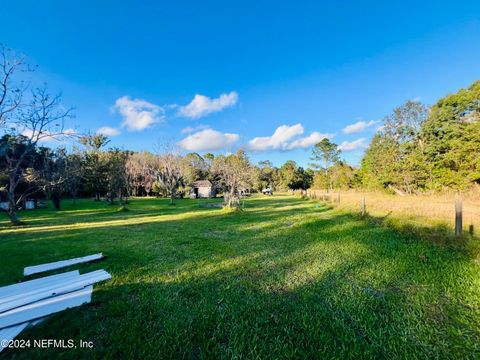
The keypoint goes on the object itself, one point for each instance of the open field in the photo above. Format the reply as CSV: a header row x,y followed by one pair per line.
x,y
430,212
285,278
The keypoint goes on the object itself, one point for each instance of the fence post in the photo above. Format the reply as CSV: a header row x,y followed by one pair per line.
x,y
470,229
364,206
458,216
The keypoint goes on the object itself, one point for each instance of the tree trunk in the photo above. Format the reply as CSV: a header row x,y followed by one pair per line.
x,y
232,200
73,194
12,214
56,199
327,180
12,210
111,198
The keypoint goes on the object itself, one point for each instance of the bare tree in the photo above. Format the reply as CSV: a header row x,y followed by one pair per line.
x,y
117,175
139,173
74,174
54,175
42,118
10,93
169,170
403,128
236,175
405,123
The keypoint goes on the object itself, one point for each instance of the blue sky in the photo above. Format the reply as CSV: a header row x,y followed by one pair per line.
x,y
270,76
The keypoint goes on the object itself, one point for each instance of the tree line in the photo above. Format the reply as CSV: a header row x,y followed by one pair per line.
x,y
422,148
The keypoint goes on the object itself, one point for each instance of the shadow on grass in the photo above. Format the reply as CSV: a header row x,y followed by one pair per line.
x,y
251,310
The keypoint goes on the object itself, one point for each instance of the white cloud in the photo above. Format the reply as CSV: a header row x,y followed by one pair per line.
x,y
208,140
47,136
279,139
108,131
352,145
203,105
190,129
138,114
286,137
359,126
308,141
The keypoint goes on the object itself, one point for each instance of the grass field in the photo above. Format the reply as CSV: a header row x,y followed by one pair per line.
x,y
285,278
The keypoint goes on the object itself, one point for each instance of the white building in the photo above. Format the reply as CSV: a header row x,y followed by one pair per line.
x,y
201,189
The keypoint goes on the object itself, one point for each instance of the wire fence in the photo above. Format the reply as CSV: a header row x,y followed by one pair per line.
x,y
460,212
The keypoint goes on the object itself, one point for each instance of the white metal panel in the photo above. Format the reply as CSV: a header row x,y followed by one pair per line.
x,y
45,307
30,270
10,333
21,288
62,287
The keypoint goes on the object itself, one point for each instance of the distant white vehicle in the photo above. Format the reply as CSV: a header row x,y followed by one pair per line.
x,y
267,191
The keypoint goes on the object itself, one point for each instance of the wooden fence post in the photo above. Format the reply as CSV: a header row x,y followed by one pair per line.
x,y
364,206
458,216
470,229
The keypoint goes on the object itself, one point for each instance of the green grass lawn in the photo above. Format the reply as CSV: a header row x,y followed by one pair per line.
x,y
284,278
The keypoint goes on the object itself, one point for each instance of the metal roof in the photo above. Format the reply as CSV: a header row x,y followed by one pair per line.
x,y
201,183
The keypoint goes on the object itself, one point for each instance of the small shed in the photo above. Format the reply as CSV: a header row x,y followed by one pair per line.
x,y
201,189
